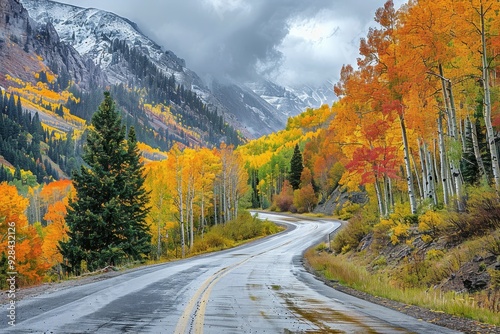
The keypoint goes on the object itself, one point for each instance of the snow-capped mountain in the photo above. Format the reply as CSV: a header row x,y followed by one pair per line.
x,y
90,31
31,47
316,97
255,108
292,101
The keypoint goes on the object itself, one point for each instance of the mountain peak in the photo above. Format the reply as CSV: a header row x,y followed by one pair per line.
x,y
93,32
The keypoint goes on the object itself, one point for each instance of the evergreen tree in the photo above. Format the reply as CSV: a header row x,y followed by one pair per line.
x,y
135,200
296,168
106,221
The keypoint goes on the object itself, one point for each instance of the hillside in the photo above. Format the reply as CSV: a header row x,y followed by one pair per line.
x,y
49,78
91,32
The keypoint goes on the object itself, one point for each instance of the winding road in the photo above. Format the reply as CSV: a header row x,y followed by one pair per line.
x,y
260,287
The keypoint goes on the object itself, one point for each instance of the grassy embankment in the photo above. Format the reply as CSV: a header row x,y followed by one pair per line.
x,y
351,270
417,259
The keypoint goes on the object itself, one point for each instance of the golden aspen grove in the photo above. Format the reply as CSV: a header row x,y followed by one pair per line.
x,y
407,157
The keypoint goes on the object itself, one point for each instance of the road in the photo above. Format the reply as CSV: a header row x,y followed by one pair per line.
x,y
260,287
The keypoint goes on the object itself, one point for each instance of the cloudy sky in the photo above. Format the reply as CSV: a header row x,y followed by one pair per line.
x,y
294,42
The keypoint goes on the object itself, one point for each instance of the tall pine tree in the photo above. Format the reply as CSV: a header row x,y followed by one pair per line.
x,y
107,220
296,168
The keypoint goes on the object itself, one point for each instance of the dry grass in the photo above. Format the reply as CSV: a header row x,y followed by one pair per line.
x,y
482,307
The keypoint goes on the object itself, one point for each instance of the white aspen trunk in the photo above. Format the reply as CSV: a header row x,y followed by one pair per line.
x,y
181,211
230,195
215,204
227,198
391,196
379,199
191,222
386,196
453,112
180,208
202,220
434,155
452,131
447,104
409,177
224,193
457,177
442,156
236,180
455,170
222,209
451,183
183,241
423,150
186,220
425,184
463,131
477,152
419,184
431,178
487,107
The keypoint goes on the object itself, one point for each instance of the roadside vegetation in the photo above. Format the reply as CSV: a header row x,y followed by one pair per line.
x,y
440,260
347,270
236,232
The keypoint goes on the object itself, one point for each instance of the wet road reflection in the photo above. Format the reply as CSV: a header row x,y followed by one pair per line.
x,y
261,287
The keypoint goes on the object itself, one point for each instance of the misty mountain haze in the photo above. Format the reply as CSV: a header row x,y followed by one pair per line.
x,y
250,106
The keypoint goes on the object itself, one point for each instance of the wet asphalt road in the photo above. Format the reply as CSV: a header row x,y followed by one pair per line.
x,y
257,288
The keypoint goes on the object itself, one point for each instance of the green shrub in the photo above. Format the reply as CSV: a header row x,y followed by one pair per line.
x,y
322,247
223,236
481,216
348,210
381,261
353,232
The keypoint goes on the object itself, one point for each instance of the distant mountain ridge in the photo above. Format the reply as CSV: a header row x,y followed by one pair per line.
x,y
91,32
49,92
289,101
246,106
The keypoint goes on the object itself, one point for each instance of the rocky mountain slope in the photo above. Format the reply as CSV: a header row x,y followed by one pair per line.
x,y
49,91
91,32
27,48
292,101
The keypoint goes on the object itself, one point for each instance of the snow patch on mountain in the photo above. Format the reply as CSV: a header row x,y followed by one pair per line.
x,y
90,31
256,108
292,101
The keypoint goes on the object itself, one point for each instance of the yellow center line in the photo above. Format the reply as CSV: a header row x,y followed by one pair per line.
x,y
204,289
200,315
197,304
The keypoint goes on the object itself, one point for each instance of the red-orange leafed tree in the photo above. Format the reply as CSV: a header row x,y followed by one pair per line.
x,y
27,245
55,231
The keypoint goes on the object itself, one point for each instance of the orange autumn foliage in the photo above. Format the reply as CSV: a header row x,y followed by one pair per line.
x,y
28,244
56,191
55,231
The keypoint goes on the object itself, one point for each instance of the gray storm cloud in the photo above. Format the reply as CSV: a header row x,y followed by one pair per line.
x,y
238,37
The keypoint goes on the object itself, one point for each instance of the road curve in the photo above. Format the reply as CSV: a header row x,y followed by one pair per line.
x,y
256,288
